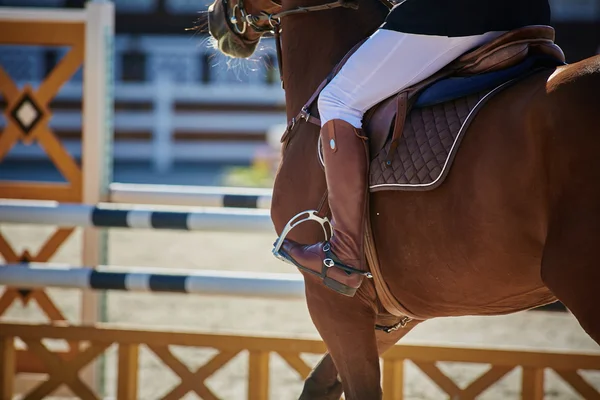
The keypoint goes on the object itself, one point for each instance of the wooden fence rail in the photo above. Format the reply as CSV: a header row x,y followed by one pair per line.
x,y
62,367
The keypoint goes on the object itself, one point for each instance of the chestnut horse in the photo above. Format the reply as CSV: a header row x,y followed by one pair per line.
x,y
515,225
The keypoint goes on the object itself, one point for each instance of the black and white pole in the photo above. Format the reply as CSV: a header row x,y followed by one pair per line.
x,y
195,196
214,283
104,216
143,279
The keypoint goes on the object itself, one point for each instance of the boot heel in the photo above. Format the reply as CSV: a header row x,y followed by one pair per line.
x,y
339,287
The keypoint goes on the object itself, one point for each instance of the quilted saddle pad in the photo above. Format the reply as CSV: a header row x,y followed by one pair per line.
x,y
427,146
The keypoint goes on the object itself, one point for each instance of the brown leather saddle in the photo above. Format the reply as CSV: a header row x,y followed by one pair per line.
x,y
412,148
415,134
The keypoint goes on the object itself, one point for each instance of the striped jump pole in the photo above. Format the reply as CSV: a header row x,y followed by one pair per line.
x,y
103,216
195,196
143,279
214,283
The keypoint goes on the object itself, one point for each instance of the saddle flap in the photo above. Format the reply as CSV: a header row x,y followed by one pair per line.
x,y
378,123
426,148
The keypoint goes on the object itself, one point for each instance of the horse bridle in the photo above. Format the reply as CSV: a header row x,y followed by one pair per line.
x,y
240,26
274,20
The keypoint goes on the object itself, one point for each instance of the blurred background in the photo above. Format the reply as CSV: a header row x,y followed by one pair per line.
x,y
185,114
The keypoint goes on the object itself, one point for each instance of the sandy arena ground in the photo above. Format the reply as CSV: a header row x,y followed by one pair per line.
x,y
284,318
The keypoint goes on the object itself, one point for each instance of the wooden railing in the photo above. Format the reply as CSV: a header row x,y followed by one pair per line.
x,y
166,122
62,367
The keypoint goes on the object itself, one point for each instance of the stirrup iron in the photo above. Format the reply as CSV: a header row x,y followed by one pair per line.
x,y
309,215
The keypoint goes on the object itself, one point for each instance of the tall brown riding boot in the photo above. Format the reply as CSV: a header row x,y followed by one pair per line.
x,y
341,261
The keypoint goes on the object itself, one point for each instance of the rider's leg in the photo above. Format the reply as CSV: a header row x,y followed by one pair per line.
x,y
385,64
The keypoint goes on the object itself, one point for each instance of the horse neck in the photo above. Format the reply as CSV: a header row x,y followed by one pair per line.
x,y
315,42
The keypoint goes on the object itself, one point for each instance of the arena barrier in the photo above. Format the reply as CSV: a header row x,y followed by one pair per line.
x,y
62,367
195,196
214,283
83,215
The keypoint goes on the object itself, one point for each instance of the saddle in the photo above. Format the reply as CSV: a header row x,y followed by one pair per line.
x,y
415,134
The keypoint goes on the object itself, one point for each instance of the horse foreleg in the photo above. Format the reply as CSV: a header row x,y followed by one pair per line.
x,y
346,325
323,382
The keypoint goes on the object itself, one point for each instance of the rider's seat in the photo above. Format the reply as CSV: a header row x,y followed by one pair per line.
x,y
507,50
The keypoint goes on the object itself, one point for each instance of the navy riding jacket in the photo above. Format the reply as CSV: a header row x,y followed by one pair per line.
x,y
465,17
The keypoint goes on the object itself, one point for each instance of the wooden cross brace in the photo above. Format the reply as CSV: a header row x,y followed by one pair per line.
x,y
296,362
532,382
478,386
47,251
192,381
63,371
576,381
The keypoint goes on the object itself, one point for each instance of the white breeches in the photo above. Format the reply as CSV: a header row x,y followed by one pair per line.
x,y
386,63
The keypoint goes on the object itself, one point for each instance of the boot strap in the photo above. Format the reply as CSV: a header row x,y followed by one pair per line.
x,y
331,261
